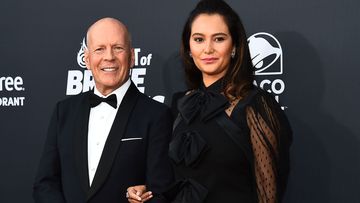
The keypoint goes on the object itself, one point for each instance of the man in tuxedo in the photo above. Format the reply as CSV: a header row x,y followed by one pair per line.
x,y
101,142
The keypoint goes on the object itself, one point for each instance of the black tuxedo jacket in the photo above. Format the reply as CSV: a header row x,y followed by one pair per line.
x,y
63,171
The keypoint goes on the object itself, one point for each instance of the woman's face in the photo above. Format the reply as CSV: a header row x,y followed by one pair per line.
x,y
210,46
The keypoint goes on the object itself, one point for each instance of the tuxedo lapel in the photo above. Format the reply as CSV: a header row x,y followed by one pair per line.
x,y
80,143
114,139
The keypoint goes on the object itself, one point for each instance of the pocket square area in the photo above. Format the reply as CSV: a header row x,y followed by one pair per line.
x,y
131,138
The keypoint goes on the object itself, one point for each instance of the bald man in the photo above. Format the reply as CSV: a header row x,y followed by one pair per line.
x,y
101,142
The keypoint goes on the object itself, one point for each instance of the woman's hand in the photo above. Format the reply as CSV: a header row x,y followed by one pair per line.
x,y
138,193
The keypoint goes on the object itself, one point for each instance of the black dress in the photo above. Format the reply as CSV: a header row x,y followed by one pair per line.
x,y
222,158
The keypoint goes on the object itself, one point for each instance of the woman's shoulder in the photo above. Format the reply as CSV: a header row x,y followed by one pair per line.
x,y
263,93
257,95
255,98
266,99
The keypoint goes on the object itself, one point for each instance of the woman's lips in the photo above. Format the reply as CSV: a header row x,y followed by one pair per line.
x,y
209,60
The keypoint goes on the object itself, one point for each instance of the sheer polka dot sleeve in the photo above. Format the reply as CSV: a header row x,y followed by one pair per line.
x,y
270,137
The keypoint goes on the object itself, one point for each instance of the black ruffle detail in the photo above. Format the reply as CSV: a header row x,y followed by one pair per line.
x,y
207,104
186,191
187,147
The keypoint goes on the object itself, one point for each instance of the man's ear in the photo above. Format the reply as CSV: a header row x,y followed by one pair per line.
x,y
86,59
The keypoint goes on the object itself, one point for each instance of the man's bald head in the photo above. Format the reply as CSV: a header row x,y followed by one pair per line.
x,y
99,25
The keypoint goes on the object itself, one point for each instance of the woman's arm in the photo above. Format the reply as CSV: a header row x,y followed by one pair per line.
x,y
270,136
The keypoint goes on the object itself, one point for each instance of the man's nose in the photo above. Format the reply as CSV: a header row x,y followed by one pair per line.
x,y
109,54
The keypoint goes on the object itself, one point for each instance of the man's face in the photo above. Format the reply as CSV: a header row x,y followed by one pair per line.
x,y
109,55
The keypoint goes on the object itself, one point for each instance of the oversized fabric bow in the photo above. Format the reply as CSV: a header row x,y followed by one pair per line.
x,y
186,191
187,147
204,103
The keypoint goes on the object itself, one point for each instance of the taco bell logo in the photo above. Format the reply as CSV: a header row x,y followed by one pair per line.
x,y
267,57
266,54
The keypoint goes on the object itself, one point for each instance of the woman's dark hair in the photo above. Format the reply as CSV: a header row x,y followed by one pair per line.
x,y
239,77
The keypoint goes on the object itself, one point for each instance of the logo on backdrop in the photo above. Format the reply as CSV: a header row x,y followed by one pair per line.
x,y
267,57
82,81
11,86
80,55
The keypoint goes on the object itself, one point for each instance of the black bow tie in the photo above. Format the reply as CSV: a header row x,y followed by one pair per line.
x,y
96,100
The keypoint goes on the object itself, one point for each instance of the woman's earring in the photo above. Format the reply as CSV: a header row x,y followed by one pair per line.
x,y
190,54
233,53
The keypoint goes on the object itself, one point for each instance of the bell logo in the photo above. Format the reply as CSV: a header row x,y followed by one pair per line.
x,y
267,58
266,54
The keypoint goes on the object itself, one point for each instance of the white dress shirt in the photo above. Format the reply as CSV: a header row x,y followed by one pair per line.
x,y
101,119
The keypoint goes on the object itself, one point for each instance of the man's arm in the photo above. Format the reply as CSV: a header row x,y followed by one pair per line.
x,y
47,186
159,171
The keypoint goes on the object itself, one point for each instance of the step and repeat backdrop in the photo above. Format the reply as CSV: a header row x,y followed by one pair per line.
x,y
309,61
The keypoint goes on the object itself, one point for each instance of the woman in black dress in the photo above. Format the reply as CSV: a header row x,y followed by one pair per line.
x,y
231,139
